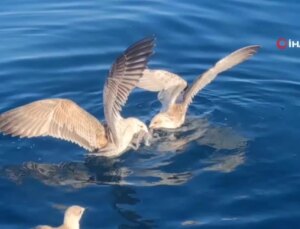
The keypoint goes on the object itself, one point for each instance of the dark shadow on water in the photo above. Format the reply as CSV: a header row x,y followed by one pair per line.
x,y
125,196
148,166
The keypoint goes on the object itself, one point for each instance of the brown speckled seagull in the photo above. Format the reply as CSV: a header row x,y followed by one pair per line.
x,y
174,94
71,219
64,119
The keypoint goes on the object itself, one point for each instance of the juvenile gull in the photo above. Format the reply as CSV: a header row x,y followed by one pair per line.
x,y
174,94
64,119
71,219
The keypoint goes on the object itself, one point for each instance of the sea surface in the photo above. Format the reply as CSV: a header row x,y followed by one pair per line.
x,y
234,164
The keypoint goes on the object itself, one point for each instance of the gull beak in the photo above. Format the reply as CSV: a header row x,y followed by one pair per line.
x,y
82,211
146,130
151,126
150,131
147,137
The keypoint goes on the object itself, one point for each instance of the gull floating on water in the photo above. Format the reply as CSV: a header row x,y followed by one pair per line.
x,y
71,219
174,94
64,119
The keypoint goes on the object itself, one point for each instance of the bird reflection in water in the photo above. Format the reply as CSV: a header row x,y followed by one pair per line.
x,y
146,167
123,198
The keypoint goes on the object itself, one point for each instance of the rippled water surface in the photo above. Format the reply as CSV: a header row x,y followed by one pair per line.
x,y
234,164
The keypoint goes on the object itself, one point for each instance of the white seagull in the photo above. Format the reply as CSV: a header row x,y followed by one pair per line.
x,y
174,94
64,119
71,219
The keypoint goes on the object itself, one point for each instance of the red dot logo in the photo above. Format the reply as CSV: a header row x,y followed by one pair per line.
x,y
282,43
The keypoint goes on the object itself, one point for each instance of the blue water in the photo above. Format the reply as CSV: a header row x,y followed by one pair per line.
x,y
235,163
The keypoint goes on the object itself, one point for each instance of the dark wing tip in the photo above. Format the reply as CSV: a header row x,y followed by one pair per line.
x,y
242,54
149,40
144,46
255,47
252,49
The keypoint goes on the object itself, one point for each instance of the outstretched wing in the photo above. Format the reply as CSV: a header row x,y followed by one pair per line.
x,y
224,64
123,78
169,86
59,118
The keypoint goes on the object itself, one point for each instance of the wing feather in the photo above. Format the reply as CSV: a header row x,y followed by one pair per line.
x,y
169,86
123,77
58,118
224,64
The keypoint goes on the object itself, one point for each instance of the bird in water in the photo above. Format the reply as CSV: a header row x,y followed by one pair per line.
x,y
71,219
174,94
64,119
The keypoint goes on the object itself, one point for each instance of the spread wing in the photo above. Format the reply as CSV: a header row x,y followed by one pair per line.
x,y
58,118
222,65
123,78
169,85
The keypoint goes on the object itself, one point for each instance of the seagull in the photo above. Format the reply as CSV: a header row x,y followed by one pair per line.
x,y
174,93
64,119
71,219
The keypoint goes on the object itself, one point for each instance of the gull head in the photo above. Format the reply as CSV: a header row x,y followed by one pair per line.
x,y
73,215
162,121
139,126
141,130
